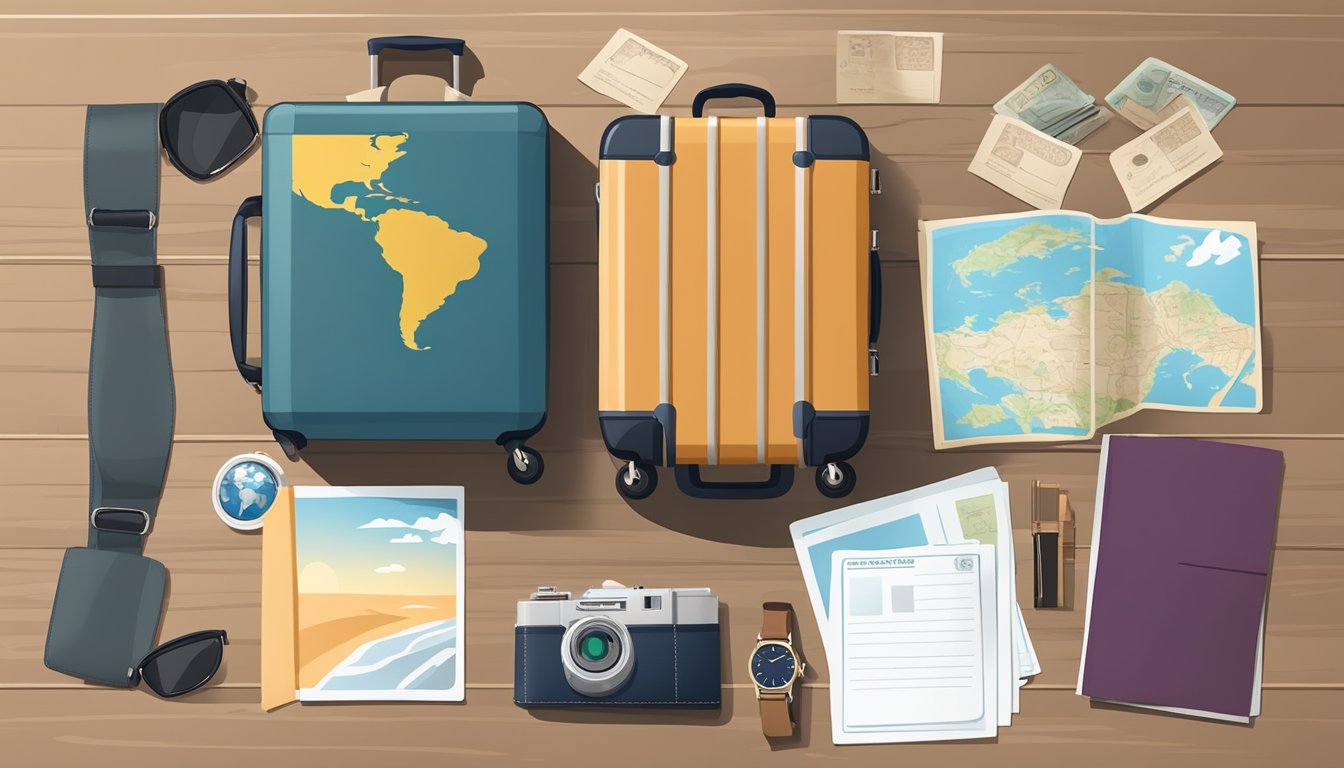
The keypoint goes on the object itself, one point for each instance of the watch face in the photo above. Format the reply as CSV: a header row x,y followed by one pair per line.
x,y
773,666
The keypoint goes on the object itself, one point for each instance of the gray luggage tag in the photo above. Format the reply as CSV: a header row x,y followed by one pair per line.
x,y
106,614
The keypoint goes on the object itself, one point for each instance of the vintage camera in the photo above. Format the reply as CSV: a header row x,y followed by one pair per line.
x,y
617,646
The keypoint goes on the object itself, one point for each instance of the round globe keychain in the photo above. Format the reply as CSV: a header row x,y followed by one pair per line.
x,y
245,488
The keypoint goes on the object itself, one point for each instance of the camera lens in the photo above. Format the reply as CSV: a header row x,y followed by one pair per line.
x,y
597,655
595,645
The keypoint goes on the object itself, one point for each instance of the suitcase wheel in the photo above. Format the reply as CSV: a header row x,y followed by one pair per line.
x,y
290,442
836,479
525,465
636,481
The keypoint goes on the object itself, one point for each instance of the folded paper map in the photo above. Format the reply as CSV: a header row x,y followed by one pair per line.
x,y
1046,326
633,71
888,67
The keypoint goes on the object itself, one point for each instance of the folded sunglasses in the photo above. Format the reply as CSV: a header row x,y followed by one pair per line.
x,y
181,666
207,127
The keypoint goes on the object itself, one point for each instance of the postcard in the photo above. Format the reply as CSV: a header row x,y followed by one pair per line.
x,y
361,595
1025,163
634,71
888,67
1164,158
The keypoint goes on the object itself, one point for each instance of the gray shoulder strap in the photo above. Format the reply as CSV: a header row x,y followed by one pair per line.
x,y
130,375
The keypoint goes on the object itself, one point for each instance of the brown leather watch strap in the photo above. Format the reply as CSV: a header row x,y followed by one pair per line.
x,y
776,620
776,719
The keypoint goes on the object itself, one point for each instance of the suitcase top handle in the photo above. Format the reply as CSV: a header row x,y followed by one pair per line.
x,y
421,43
733,91
417,43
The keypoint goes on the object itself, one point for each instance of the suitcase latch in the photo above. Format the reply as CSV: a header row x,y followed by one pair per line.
x,y
872,361
874,182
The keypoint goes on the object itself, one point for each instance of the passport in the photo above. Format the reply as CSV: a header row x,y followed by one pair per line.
x,y
1182,542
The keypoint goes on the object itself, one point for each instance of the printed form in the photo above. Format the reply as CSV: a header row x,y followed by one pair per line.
x,y
916,639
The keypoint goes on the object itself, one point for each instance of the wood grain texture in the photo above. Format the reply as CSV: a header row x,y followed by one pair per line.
x,y
1283,167
222,728
921,151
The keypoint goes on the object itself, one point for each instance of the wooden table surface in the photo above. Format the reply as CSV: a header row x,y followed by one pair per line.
x,y
1283,167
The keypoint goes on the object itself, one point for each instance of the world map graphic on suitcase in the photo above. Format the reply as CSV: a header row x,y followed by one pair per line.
x,y
344,172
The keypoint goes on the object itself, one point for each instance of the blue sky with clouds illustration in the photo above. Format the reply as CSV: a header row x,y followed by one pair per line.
x,y
377,545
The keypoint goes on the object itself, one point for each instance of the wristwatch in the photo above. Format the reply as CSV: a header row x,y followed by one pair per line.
x,y
775,667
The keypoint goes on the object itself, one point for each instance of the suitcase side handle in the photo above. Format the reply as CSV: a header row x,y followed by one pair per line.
x,y
454,45
692,484
733,91
250,209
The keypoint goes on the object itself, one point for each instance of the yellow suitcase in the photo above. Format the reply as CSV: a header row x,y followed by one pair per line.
x,y
739,296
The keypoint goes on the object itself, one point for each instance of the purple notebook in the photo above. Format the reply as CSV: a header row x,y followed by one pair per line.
x,y
1181,562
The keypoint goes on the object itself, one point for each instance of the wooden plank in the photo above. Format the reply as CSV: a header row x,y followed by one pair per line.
x,y
520,56
922,153
45,486
220,727
264,10
219,588
46,310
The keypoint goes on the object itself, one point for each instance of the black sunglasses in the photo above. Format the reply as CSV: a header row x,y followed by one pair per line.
x,y
207,127
181,666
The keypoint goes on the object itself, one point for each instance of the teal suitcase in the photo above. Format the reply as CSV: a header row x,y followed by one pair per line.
x,y
404,271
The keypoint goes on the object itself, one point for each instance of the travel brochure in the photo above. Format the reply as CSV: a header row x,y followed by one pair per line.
x,y
367,580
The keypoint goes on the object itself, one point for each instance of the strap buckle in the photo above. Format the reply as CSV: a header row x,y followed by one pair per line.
x,y
120,520
109,218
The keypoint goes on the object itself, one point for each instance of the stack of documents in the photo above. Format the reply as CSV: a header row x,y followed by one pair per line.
x,y
1054,105
1181,546
917,605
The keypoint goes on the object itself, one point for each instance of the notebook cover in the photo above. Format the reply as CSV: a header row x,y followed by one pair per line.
x,y
1182,562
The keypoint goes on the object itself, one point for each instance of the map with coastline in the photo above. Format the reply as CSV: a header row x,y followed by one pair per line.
x,y
343,173
1049,325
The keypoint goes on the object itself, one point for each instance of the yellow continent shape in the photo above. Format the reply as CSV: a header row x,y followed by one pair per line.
x,y
322,162
431,257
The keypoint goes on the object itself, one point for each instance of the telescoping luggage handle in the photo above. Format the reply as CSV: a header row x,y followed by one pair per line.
x,y
250,209
733,91
454,45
